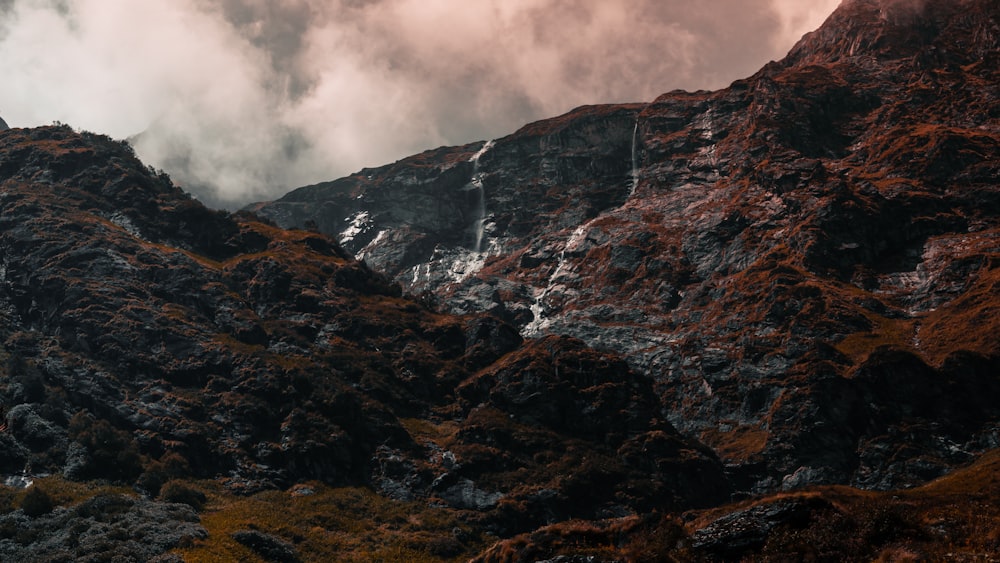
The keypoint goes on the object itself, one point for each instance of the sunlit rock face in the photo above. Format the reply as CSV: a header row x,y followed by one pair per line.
x,y
805,262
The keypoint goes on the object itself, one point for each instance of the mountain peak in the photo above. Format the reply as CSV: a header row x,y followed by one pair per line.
x,y
784,229
961,31
720,295
68,169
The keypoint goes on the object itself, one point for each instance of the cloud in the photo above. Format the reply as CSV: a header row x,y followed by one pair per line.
x,y
797,17
245,99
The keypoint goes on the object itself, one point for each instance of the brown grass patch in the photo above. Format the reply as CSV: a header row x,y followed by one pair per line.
x,y
332,524
737,445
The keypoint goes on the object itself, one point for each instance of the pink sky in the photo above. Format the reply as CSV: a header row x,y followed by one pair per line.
x,y
254,97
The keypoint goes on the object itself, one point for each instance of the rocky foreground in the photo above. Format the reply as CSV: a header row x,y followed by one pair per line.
x,y
712,327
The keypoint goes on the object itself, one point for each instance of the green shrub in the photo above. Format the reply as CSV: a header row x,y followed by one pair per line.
x,y
152,480
8,500
175,465
171,466
112,453
36,502
178,491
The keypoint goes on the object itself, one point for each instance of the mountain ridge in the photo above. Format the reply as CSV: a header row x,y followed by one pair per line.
x,y
748,324
142,331
783,229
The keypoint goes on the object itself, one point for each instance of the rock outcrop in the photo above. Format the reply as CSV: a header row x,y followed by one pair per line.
x,y
634,332
145,338
805,262
104,528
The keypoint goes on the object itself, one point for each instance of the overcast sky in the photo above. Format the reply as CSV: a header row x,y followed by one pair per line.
x,y
254,97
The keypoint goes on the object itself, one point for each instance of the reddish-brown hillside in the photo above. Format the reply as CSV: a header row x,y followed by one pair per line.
x,y
804,262
146,339
759,323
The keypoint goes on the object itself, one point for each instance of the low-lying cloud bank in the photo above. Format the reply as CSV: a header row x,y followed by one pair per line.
x,y
241,100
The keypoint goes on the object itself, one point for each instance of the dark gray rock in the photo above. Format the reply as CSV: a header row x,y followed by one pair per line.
x,y
104,528
270,548
465,495
743,531
32,430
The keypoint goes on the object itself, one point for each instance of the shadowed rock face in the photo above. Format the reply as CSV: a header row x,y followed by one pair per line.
x,y
3,125
802,262
787,282
139,329
825,523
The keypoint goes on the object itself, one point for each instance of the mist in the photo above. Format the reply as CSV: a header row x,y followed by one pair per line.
x,y
242,100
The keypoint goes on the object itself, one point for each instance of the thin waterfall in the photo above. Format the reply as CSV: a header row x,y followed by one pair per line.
x,y
479,226
457,264
635,159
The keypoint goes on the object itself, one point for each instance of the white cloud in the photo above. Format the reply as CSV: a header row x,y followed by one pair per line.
x,y
799,17
252,97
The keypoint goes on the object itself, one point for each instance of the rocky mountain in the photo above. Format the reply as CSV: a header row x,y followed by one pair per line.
x,y
146,338
805,262
711,327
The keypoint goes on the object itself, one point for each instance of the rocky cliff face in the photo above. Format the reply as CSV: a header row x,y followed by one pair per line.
x,y
805,262
624,318
143,336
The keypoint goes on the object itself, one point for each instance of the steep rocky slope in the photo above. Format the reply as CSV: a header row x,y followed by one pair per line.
x,y
804,262
146,338
791,281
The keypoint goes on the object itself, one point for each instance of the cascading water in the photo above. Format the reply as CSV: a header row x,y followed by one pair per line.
x,y
635,159
458,263
539,322
563,276
479,226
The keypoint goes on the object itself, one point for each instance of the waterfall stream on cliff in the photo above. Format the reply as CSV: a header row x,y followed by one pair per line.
x,y
635,159
479,227
457,263
539,322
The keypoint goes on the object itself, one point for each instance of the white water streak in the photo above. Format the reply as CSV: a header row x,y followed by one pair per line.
x,y
356,226
635,159
483,150
479,227
539,322
381,236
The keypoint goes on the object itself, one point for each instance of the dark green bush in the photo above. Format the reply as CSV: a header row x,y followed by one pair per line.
x,y
36,502
152,480
178,491
112,453
171,466
8,498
